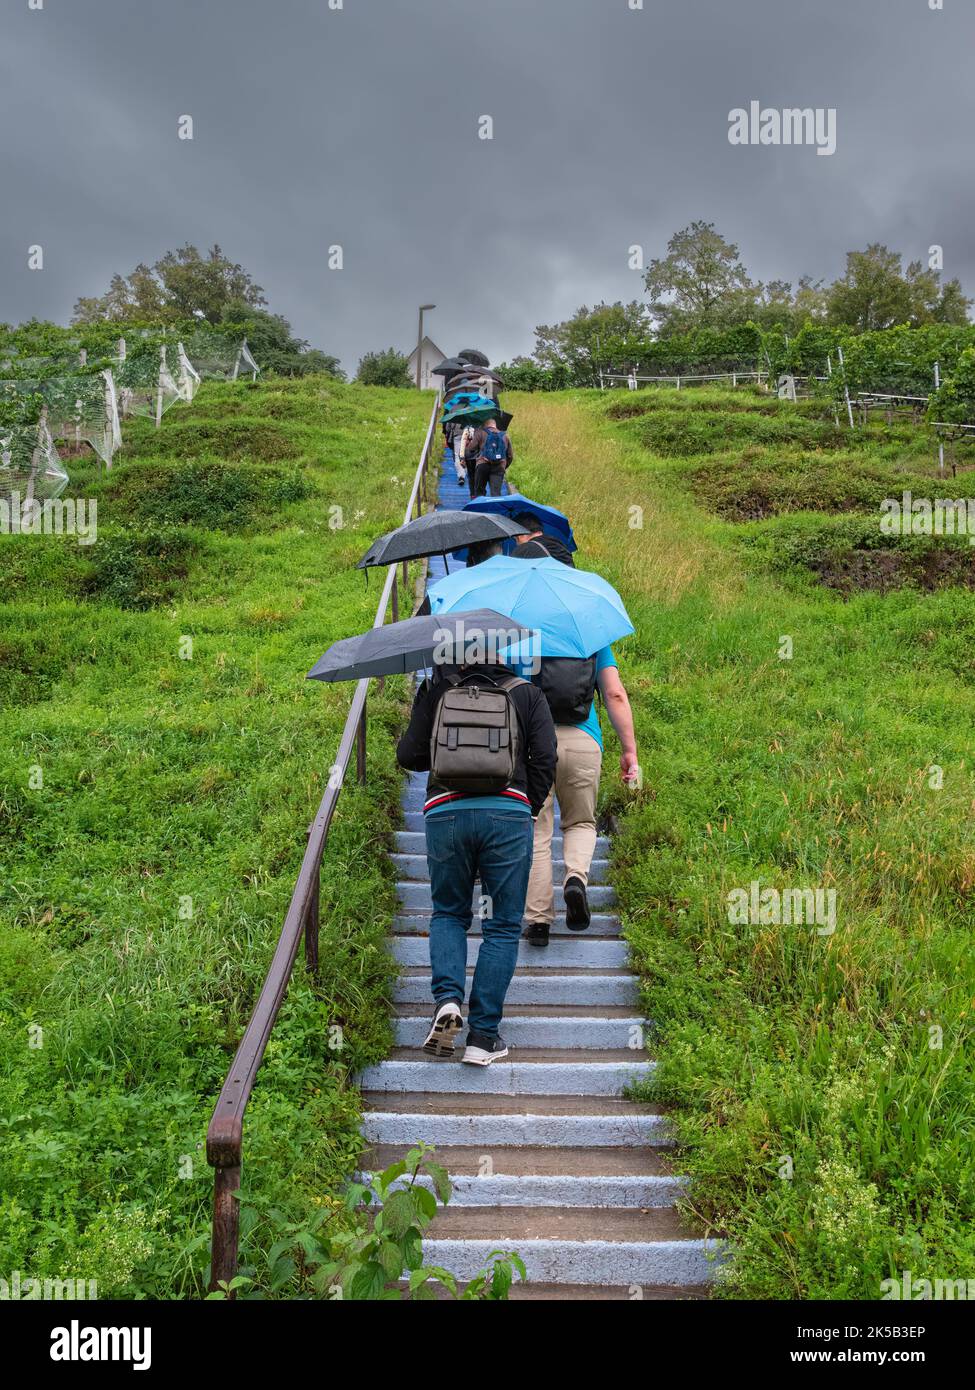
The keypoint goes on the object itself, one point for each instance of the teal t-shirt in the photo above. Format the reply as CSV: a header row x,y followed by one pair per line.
x,y
590,724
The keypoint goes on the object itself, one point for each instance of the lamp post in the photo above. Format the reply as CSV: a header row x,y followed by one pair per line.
x,y
419,340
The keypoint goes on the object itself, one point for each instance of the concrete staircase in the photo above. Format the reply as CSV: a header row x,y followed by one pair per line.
x,y
545,1156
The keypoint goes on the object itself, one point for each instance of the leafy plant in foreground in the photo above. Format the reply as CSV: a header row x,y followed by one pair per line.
x,y
375,1257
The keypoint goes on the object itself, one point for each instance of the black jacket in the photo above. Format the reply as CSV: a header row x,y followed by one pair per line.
x,y
537,748
544,545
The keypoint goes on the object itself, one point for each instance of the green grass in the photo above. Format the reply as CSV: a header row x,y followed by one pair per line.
x,y
146,877
821,1085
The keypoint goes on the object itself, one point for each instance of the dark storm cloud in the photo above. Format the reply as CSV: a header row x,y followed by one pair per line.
x,y
358,127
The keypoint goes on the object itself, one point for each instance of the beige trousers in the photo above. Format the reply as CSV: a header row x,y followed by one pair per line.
x,y
576,787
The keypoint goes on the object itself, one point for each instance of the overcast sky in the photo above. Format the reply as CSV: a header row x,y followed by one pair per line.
x,y
359,127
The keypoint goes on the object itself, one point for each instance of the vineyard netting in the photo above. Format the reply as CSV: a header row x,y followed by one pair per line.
x,y
30,469
219,358
146,385
80,409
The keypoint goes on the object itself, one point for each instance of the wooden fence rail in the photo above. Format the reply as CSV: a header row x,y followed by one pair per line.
x,y
225,1133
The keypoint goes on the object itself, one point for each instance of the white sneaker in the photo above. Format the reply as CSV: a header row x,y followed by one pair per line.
x,y
482,1050
447,1023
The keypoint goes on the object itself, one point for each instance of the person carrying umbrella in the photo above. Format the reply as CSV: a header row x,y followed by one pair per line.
x,y
494,457
487,739
535,543
578,616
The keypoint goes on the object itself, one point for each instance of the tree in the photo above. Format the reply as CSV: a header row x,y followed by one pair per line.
x,y
605,334
875,293
384,369
701,275
196,285
182,284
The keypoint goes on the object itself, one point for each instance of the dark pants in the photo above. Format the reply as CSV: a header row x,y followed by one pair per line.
x,y
486,475
460,845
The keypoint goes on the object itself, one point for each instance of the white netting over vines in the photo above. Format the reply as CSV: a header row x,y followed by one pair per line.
x,y
219,358
247,362
144,382
80,409
189,377
30,469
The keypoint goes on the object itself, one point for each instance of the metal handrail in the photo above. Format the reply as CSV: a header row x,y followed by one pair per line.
x,y
226,1130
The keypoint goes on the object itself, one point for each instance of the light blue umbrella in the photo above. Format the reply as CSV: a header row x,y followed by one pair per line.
x,y
576,612
550,520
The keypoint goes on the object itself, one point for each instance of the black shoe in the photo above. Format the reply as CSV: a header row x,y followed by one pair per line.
x,y
536,933
577,916
482,1049
447,1023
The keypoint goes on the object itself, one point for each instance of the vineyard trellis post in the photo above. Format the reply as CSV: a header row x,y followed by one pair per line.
x,y
846,389
159,386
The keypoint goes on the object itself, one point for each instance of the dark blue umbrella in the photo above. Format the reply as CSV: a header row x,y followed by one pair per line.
x,y
550,521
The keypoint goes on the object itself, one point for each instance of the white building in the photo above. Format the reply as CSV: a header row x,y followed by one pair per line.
x,y
430,357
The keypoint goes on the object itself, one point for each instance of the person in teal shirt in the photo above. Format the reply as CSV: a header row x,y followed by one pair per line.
x,y
576,788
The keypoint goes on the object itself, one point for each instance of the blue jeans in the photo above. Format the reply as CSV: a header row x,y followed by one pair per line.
x,y
498,846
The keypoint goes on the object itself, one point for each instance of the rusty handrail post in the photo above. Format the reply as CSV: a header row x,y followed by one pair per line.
x,y
312,922
360,748
226,1224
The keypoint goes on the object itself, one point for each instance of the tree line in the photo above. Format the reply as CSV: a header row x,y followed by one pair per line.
x,y
701,294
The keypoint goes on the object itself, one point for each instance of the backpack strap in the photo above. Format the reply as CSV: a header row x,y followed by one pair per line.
x,y
502,683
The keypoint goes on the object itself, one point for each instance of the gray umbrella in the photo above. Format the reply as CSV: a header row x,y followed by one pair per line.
x,y
481,635
450,366
438,532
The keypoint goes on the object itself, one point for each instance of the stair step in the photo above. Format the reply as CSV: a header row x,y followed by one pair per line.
x,y
467,1161
403,1118
601,924
567,1057
413,867
573,1245
560,1011
523,1077
413,896
414,842
455,1103
539,987
565,1191
590,1033
588,953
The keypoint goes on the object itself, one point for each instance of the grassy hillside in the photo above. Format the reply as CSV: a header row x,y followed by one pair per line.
x,y
153,685
822,1083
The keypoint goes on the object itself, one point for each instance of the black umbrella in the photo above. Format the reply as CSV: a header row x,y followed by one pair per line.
x,y
481,636
450,366
438,532
472,355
